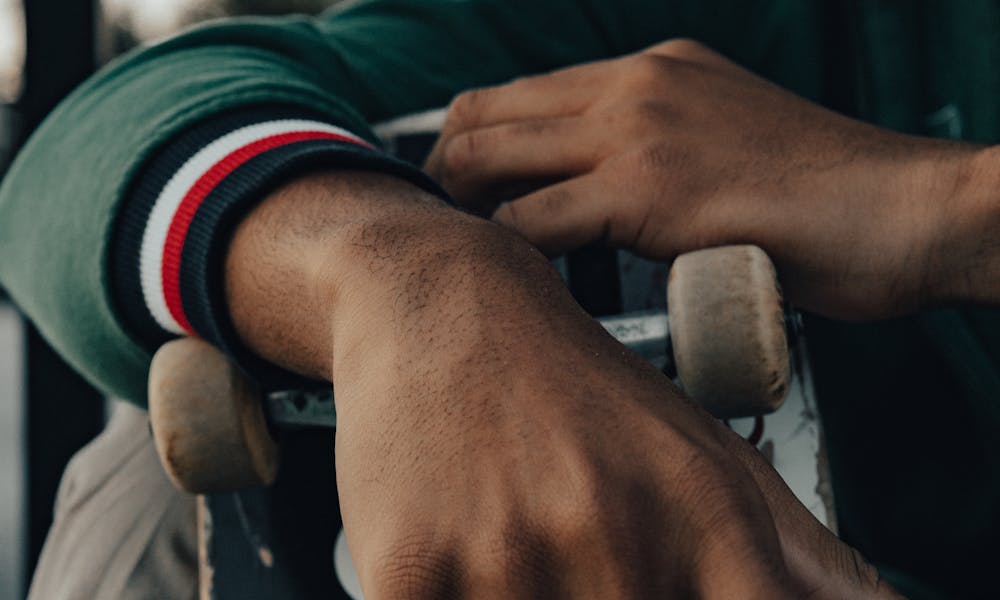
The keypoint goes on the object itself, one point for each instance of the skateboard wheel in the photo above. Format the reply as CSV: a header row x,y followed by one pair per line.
x,y
208,420
727,330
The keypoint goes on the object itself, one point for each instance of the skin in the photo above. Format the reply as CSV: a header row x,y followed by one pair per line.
x,y
676,148
493,441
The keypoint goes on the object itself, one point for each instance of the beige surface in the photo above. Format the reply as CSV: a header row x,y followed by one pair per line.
x,y
121,530
208,420
728,332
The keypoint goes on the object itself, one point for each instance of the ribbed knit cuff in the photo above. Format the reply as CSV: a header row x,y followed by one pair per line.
x,y
170,239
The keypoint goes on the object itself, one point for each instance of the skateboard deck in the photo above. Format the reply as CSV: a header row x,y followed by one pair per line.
x,y
275,542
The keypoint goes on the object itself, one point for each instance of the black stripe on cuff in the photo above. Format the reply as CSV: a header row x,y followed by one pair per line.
x,y
130,224
203,255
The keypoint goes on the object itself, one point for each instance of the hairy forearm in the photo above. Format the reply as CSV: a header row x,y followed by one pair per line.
x,y
357,260
966,259
290,258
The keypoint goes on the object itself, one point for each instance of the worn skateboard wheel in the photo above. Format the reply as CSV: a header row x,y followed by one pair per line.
x,y
208,420
727,330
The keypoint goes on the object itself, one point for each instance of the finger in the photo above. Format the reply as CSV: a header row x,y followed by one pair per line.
x,y
689,51
482,167
822,564
560,93
564,216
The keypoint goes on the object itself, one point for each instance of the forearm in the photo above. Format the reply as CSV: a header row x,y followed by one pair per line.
x,y
357,261
965,264
370,62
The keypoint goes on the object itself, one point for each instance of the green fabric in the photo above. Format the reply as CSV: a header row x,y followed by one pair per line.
x,y
910,405
369,62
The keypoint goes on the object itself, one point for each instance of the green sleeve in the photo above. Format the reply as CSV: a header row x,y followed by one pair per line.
x,y
367,62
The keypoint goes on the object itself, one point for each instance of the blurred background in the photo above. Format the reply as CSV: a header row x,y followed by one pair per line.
x,y
47,413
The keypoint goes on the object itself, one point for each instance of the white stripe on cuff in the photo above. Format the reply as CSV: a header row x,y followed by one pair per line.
x,y
155,234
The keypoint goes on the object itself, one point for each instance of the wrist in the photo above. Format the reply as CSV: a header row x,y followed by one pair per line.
x,y
335,271
964,255
293,247
441,285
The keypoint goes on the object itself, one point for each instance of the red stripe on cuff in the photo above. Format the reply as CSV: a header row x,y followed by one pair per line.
x,y
181,222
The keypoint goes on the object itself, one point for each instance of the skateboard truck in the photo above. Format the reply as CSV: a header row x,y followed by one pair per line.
x,y
725,333
647,333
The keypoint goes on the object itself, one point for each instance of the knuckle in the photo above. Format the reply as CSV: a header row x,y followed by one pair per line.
x,y
649,117
637,120
522,84
530,215
510,214
514,555
416,569
855,566
629,223
682,48
647,72
661,158
574,521
577,517
461,153
554,201
466,106
530,129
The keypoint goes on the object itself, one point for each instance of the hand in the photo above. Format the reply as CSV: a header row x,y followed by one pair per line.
x,y
676,148
499,443
493,440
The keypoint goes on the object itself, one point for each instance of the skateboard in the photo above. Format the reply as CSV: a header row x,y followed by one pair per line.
x,y
724,339
724,336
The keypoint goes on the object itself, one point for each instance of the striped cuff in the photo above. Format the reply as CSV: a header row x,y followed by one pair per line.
x,y
172,232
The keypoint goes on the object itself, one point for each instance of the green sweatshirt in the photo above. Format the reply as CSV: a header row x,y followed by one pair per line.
x,y
110,235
